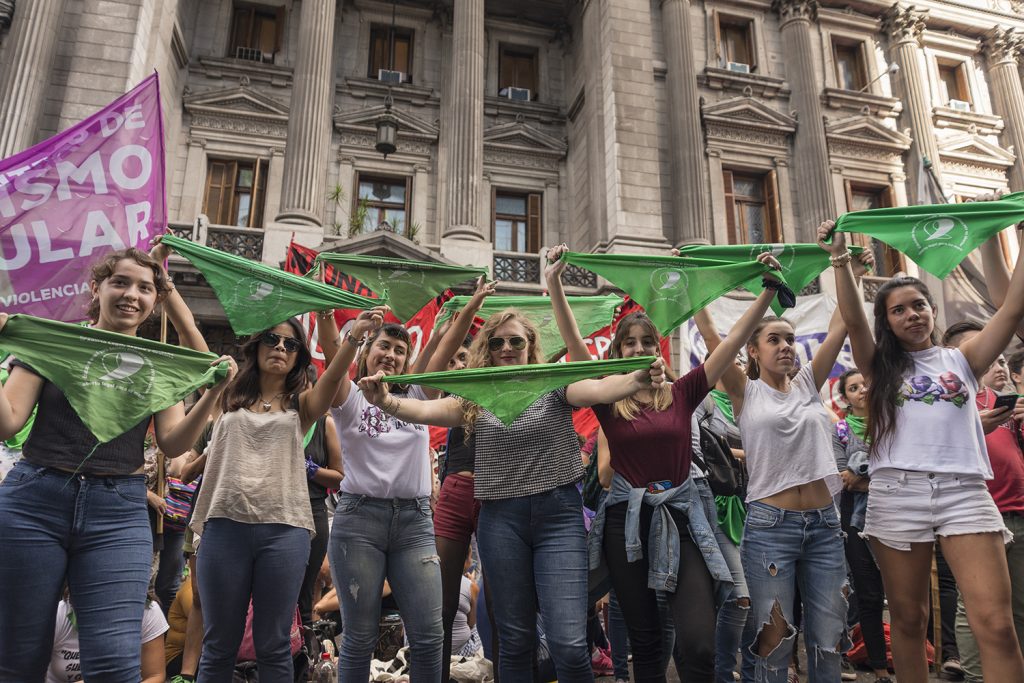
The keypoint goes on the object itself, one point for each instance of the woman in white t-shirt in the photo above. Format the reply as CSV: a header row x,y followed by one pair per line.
x,y
792,537
929,464
65,660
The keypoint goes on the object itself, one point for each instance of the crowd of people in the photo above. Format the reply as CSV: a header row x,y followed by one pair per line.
x,y
295,497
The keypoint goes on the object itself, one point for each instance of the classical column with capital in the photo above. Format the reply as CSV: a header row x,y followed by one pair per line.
x,y
689,175
1002,49
25,72
309,123
465,129
904,26
810,148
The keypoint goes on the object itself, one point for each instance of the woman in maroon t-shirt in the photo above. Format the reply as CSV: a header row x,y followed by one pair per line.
x,y
649,436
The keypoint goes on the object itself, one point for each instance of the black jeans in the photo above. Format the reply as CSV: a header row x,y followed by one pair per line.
x,y
868,591
692,605
317,553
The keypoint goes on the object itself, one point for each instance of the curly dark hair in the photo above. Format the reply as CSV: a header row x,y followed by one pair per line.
x,y
101,270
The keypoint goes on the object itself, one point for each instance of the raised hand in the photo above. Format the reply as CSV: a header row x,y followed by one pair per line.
x,y
232,369
838,245
554,265
369,321
768,258
373,388
863,262
483,290
158,250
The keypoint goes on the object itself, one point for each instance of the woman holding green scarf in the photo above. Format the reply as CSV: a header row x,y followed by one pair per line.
x,y
850,443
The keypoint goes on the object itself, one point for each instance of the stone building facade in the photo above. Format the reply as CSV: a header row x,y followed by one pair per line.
x,y
612,125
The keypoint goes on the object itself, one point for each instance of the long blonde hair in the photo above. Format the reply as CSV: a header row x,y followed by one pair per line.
x,y
630,407
480,356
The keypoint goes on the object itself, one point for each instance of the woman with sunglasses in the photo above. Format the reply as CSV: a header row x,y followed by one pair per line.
x,y
253,510
383,525
530,531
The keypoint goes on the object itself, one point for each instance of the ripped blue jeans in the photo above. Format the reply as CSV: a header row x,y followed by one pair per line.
x,y
784,550
373,539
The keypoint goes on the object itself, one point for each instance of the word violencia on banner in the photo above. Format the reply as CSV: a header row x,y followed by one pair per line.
x,y
68,201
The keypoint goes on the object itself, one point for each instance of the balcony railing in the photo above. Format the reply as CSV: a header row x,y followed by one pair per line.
x,y
517,267
245,242
871,286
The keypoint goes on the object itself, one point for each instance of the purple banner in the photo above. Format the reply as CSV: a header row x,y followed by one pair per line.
x,y
67,202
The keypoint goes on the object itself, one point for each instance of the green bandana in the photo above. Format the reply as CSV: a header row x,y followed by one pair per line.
x,y
507,391
591,313
732,514
724,404
409,284
801,263
937,237
859,426
669,288
256,296
113,381
19,439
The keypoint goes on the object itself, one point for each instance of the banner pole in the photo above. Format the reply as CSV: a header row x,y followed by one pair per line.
x,y
161,468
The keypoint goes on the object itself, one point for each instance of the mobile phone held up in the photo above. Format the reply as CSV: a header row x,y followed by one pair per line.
x,y
1005,401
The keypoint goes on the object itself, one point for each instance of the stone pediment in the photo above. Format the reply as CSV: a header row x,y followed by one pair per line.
x,y
363,120
240,109
519,136
973,150
867,132
748,112
747,123
383,243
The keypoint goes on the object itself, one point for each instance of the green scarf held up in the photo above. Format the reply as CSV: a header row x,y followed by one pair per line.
x,y
721,400
801,263
256,296
410,285
591,313
939,236
508,391
113,381
671,289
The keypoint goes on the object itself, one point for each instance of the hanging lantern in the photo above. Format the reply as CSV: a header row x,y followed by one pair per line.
x,y
387,130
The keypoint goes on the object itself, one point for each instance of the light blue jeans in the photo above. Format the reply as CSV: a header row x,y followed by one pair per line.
x,y
373,539
91,531
786,549
534,554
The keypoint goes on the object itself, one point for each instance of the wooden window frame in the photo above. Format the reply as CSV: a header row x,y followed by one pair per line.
x,y
862,64
534,218
963,83
384,31
718,20
895,261
363,176
773,211
520,51
267,10
258,194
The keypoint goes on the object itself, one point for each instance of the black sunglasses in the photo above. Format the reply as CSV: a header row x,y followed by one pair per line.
x,y
272,339
498,343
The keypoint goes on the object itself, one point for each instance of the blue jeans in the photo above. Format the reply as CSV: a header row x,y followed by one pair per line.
x,y
373,539
618,637
237,562
534,554
786,549
91,531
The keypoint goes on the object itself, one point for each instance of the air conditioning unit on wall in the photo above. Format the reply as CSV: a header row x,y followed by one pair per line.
x,y
738,67
388,76
518,94
960,105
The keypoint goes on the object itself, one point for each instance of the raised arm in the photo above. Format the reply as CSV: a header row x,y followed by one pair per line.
x,y
18,397
345,350
176,431
440,412
982,349
178,312
458,328
849,302
553,269
722,360
590,392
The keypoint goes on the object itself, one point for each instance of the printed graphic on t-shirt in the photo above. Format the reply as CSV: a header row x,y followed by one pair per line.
x,y
949,388
375,422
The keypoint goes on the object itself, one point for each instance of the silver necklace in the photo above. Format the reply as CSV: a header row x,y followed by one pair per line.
x,y
267,405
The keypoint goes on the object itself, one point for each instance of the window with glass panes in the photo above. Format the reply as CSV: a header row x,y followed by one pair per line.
x,y
386,201
516,219
861,197
953,82
752,207
235,192
391,52
256,32
734,40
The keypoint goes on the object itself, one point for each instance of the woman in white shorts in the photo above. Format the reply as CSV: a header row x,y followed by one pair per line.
x,y
929,464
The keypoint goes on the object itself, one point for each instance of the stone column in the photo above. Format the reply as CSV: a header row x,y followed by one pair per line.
x,y
689,176
904,25
26,71
466,129
810,148
1002,48
309,125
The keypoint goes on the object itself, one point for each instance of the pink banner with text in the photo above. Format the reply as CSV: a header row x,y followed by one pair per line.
x,y
68,201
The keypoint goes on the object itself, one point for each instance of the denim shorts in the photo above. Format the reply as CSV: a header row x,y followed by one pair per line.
x,y
907,507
